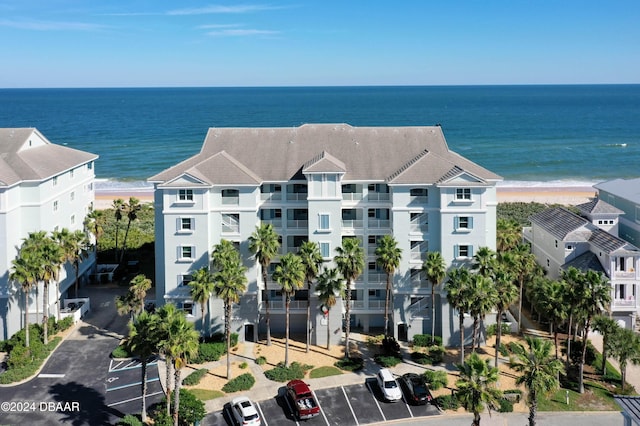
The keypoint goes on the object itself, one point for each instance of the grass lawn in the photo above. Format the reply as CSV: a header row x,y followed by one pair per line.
x,y
316,373
595,398
206,394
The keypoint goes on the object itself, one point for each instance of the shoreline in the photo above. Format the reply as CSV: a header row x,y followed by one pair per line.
x,y
540,192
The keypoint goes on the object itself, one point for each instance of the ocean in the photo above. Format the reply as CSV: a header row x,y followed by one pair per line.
x,y
531,135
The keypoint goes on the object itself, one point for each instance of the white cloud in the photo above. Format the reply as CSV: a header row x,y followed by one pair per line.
x,y
218,9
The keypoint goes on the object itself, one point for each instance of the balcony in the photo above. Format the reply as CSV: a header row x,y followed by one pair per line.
x,y
352,223
419,200
294,305
271,196
352,196
378,196
624,274
363,304
297,224
623,303
419,227
418,256
376,277
276,223
379,223
227,201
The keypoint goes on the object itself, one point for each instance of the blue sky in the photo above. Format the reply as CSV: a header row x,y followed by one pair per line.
x,y
132,43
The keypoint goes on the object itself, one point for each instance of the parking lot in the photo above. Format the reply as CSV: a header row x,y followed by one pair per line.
x,y
123,385
350,405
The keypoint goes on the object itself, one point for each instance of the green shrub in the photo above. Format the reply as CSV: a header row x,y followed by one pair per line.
x,y
283,374
436,353
51,324
243,365
506,406
195,377
65,323
222,338
36,355
424,340
130,420
261,360
241,383
436,379
19,357
210,351
420,358
387,361
375,340
447,402
350,364
324,372
504,351
121,352
491,329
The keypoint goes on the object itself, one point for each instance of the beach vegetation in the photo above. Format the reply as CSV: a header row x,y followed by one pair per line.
x,y
434,268
388,256
330,286
311,258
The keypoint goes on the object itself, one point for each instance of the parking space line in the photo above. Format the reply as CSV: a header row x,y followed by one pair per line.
x,y
132,384
264,420
321,411
406,403
134,399
349,404
376,401
133,366
293,413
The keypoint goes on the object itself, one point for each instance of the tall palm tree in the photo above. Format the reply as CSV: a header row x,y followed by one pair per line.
x,y
459,297
138,287
22,272
507,293
117,205
523,264
599,296
164,317
607,327
552,304
230,282
80,252
330,286
477,386
311,258
264,244
94,223
574,294
625,347
508,234
126,304
201,289
131,210
483,300
388,256
142,342
183,343
434,268
350,263
539,371
484,261
290,275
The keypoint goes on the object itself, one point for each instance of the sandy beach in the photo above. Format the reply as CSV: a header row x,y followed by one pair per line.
x,y
551,194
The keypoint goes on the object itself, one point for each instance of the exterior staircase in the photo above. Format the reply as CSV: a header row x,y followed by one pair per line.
x,y
420,308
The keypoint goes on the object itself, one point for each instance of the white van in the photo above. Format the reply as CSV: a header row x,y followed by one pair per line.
x,y
388,385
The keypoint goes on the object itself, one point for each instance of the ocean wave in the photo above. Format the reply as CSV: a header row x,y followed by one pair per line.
x,y
547,184
107,185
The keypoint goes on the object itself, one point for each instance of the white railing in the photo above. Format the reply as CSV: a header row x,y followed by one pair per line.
x,y
297,223
624,274
297,196
230,200
623,303
276,223
378,196
376,277
362,304
230,228
419,200
271,196
294,305
352,223
379,223
417,255
352,196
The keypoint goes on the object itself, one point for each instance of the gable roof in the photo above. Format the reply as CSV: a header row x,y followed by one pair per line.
x,y
365,153
596,206
324,162
559,222
20,160
223,169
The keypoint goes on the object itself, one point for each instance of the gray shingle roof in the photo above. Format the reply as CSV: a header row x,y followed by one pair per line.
x,y
558,221
20,162
324,162
629,189
587,261
630,405
596,206
368,153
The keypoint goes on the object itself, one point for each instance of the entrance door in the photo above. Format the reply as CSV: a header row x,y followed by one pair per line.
x,y
402,332
248,333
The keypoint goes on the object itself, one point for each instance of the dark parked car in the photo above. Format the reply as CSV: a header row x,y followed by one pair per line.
x,y
415,388
304,403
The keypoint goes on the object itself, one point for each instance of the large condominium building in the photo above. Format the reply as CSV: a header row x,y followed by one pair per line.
x,y
324,183
625,195
561,239
43,187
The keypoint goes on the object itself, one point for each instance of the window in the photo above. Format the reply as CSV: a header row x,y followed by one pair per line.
x,y
463,194
184,280
187,307
55,206
325,250
230,196
186,224
186,252
463,222
323,219
90,165
230,223
463,251
185,194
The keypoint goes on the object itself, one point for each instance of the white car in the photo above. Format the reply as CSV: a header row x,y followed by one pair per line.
x,y
388,385
244,412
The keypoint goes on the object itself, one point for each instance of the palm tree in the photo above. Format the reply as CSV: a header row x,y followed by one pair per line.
x,y
599,296
80,252
183,343
458,295
539,371
117,205
483,299
230,282
142,342
484,261
131,210
434,268
311,261
22,271
290,275
477,386
94,223
625,347
330,286
506,294
607,327
164,317
553,307
201,288
508,234
264,244
126,305
523,264
138,287
388,256
574,294
350,263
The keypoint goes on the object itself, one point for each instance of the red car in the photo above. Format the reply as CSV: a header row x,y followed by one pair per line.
x,y
304,402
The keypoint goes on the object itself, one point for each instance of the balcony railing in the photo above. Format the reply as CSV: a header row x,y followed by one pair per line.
x,y
378,196
623,303
231,200
376,277
417,255
294,305
276,223
419,227
352,223
291,223
297,196
352,196
271,196
624,274
418,200
379,223
230,228
363,304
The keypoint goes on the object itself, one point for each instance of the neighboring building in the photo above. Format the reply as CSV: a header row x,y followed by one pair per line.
x,y
43,187
561,239
324,182
625,195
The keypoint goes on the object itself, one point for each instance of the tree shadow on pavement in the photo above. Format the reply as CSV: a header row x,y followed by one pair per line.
x,y
90,408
